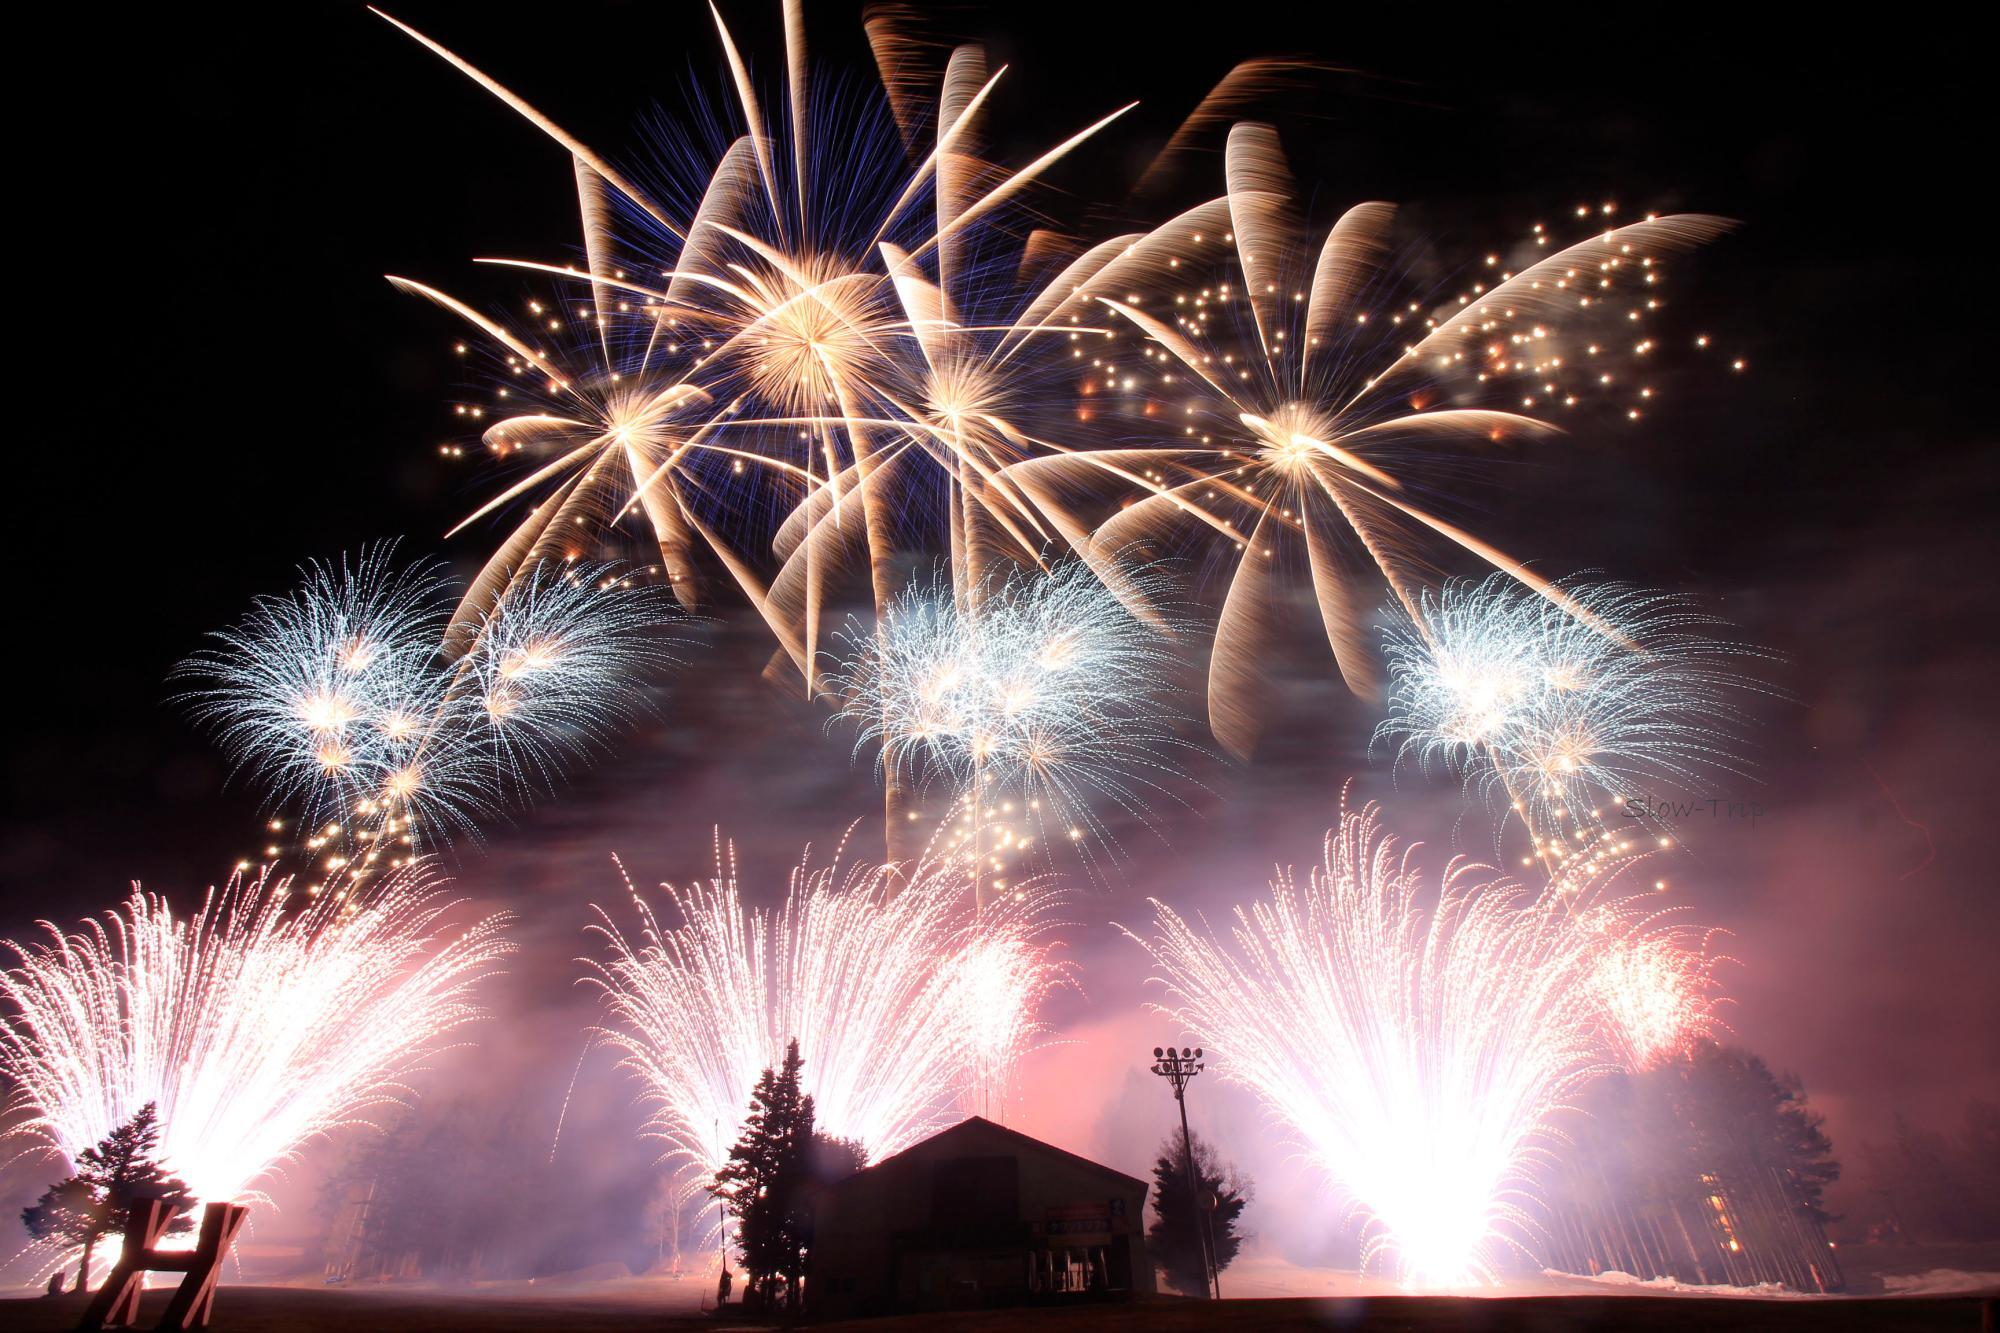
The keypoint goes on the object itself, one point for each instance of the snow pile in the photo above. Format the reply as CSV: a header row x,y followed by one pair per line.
x,y
1614,1278
1939,1282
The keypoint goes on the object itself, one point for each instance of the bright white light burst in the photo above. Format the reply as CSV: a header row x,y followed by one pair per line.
x,y
1039,688
1422,1047
344,698
1558,712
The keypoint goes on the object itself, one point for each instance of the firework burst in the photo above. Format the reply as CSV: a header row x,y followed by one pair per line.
x,y
1039,691
1421,1047
326,693
1312,412
1654,978
262,1022
1559,709
555,666
814,309
342,697
905,1001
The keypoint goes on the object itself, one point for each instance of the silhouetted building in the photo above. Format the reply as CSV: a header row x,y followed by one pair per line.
x,y
977,1215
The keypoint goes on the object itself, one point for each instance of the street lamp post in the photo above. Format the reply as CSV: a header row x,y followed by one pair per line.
x,y
1178,1068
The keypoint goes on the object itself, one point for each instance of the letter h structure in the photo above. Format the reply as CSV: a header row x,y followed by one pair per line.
x,y
116,1304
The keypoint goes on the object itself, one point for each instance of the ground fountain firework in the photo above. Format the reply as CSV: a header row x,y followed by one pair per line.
x,y
267,1019
1422,1046
909,1004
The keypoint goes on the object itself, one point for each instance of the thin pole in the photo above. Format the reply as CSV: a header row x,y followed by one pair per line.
x,y
721,1233
1178,1067
1194,1198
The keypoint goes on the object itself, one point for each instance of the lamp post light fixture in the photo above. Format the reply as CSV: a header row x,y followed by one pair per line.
x,y
1179,1067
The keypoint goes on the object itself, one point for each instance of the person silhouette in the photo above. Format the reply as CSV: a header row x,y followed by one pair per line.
x,y
722,1285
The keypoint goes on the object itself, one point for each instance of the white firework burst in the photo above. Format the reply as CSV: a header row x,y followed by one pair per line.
x,y
342,698
1558,710
1037,688
556,665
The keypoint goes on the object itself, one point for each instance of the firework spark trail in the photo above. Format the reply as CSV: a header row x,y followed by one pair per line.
x,y
1040,691
1421,1047
257,1025
905,1001
1313,413
1557,710
340,697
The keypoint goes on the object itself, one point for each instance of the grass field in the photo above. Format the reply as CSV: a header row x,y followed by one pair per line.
x,y
408,1310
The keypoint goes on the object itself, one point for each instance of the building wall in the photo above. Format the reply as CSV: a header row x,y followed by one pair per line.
x,y
966,1217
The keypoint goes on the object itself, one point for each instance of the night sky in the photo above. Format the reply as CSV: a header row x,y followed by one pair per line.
x,y
217,385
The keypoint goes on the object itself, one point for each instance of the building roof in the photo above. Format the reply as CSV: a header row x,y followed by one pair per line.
x,y
979,1125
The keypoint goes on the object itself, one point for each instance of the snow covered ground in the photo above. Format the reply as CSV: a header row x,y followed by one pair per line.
x,y
1267,1275
1939,1282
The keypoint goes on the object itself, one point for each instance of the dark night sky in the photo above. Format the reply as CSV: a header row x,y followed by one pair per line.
x,y
216,384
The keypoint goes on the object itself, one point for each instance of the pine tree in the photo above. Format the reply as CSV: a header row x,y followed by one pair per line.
x,y
85,1207
768,1183
1764,1122
835,1159
1936,1186
1175,1237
